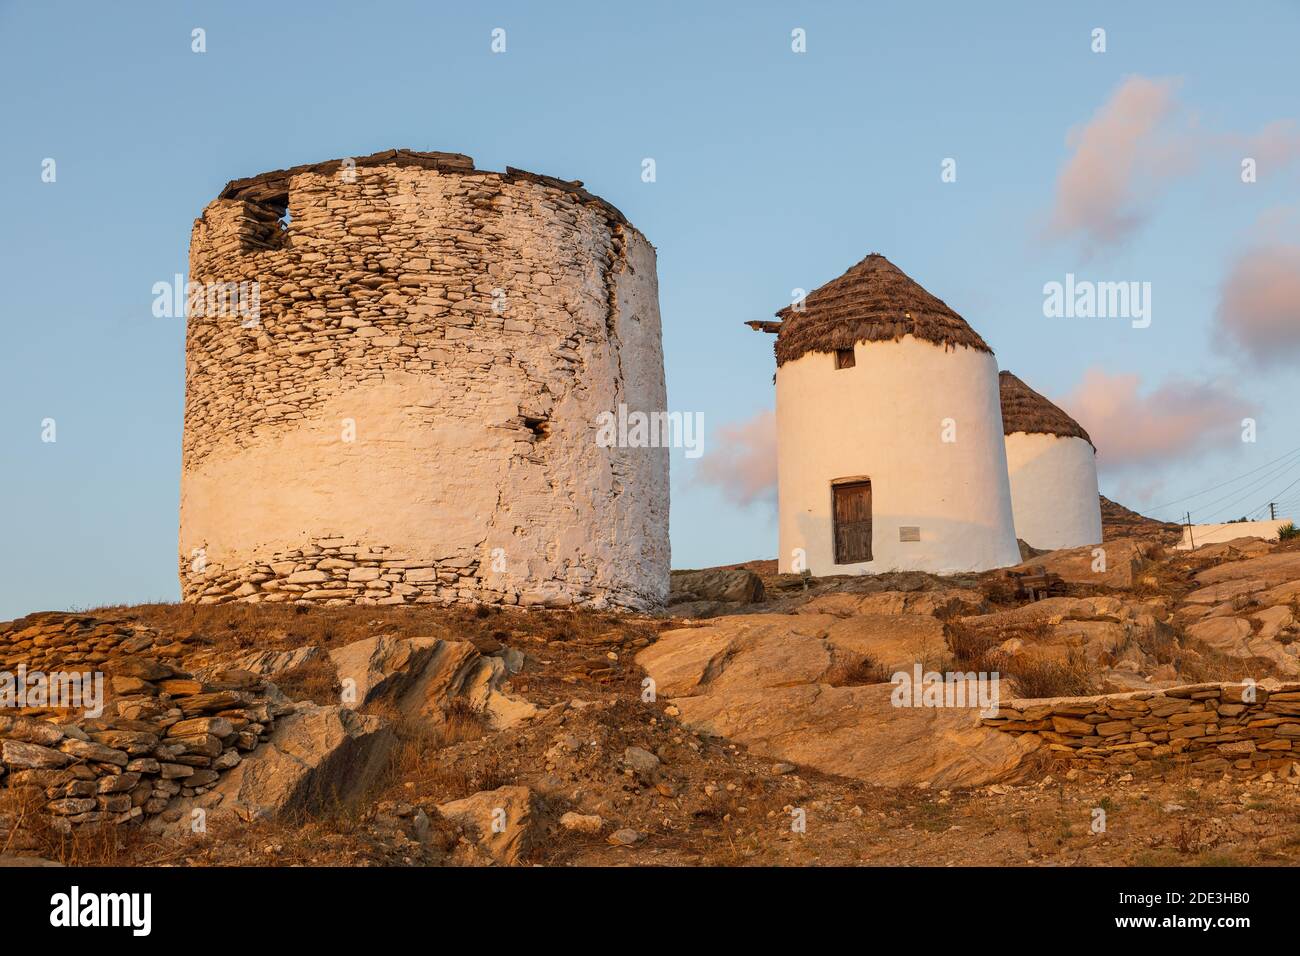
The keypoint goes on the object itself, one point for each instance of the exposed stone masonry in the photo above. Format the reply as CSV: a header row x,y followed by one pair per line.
x,y
467,327
1210,726
337,572
163,734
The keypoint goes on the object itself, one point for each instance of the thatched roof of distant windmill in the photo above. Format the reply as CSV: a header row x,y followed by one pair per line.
x,y
874,301
1024,410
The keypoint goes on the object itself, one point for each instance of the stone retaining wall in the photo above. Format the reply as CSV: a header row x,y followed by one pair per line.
x,y
1212,727
162,735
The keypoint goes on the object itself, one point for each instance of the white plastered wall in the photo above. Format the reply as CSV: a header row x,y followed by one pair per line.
x,y
1054,496
884,419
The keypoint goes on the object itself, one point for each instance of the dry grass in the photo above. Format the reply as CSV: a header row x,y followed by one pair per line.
x,y
1034,677
1031,675
315,680
419,753
102,844
968,644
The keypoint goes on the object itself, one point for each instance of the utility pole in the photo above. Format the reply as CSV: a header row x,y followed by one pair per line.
x,y
1191,540
1272,511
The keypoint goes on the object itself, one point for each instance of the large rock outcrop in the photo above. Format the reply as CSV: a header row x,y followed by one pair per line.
x,y
768,681
318,756
421,676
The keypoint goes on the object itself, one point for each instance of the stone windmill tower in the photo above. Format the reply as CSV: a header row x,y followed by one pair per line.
x,y
1053,470
889,432
411,415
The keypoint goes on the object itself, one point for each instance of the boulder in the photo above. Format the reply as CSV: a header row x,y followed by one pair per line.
x,y
1226,590
857,732
18,755
1124,559
500,821
1236,637
1097,628
894,642
733,585
316,756
747,650
1235,549
270,663
387,667
942,602
1270,569
422,675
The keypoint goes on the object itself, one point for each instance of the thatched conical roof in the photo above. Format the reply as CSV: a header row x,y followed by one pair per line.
x,y
874,301
1024,410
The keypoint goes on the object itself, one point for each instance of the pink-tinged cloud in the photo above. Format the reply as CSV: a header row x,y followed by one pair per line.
x,y
742,460
1259,304
1119,158
1274,147
1176,421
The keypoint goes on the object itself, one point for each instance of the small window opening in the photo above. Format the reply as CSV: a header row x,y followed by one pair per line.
x,y
844,358
265,223
540,427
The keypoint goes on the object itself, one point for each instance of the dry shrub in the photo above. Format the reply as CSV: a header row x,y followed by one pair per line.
x,y
1206,665
999,590
462,722
976,649
969,645
1160,643
453,777
854,670
1035,677
1167,578
419,740
237,627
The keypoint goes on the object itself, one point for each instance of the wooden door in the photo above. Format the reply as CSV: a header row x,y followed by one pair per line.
x,y
852,522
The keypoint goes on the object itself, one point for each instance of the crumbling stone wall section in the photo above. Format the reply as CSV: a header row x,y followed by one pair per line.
x,y
1212,727
412,416
162,734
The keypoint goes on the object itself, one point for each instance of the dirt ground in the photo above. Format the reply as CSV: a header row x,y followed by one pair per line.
x,y
709,803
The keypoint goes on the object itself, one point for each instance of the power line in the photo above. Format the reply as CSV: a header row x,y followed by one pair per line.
x,y
1224,484
1288,487
1273,498
1241,494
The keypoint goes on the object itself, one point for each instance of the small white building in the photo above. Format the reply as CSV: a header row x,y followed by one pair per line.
x,y
889,432
1052,465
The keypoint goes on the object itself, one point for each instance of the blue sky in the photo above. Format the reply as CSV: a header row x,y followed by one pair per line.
x,y
776,170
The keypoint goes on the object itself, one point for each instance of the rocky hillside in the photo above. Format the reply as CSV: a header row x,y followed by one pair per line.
x,y
1119,522
751,723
